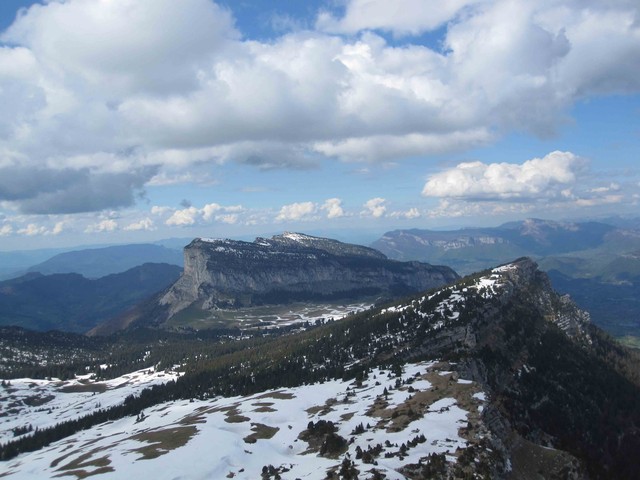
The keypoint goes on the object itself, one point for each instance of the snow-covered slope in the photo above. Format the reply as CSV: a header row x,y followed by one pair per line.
x,y
236,437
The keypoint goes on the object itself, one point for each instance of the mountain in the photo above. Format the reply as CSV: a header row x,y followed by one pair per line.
x,y
20,260
99,262
71,302
289,267
496,376
472,249
596,263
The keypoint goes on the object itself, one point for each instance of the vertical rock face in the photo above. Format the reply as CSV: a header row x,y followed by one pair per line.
x,y
290,267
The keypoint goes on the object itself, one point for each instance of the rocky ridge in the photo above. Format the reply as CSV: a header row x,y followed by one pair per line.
x,y
291,266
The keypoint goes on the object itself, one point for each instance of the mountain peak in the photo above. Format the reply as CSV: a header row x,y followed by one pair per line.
x,y
291,266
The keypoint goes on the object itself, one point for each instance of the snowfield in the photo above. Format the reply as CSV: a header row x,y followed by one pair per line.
x,y
44,403
236,437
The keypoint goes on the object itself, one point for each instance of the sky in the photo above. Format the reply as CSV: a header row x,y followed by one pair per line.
x,y
125,121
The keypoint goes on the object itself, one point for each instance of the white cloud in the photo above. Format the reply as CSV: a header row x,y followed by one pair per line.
x,y
160,210
402,17
229,218
33,229
58,228
387,147
408,214
126,45
603,200
536,178
374,207
192,215
105,97
333,207
186,216
296,211
5,230
144,224
209,210
612,187
108,225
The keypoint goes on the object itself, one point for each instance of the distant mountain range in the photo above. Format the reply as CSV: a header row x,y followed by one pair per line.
x,y
473,249
71,302
597,263
98,262
91,261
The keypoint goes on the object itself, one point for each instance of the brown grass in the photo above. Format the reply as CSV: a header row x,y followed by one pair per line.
x,y
324,409
163,441
260,432
81,473
233,416
78,467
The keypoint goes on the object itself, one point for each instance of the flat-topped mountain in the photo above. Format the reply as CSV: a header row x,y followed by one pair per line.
x,y
291,267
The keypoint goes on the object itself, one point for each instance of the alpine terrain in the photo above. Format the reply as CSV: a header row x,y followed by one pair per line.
x,y
494,376
221,274
597,263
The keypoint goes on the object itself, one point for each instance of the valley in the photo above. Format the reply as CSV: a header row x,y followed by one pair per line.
x,y
266,316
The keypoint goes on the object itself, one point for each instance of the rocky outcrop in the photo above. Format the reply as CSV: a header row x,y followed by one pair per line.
x,y
291,266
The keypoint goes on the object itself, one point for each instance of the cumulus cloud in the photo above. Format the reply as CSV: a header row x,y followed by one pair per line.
x,y
5,230
108,225
374,207
192,215
58,228
186,216
540,177
102,98
333,207
296,211
160,210
126,45
144,224
32,229
407,214
229,218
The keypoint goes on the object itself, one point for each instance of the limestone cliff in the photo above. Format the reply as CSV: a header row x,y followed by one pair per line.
x,y
292,266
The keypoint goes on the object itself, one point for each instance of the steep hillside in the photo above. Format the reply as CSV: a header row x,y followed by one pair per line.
x,y
71,302
496,376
